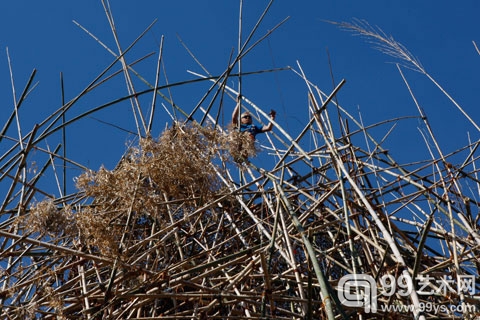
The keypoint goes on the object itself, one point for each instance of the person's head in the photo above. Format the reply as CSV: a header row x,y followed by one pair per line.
x,y
246,118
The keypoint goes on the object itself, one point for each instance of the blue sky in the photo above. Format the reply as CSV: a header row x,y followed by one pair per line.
x,y
41,35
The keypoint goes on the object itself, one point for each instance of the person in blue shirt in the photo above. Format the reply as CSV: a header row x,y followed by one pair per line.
x,y
246,123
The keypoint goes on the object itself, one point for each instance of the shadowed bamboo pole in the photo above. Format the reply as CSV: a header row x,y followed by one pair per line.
x,y
326,296
240,24
154,96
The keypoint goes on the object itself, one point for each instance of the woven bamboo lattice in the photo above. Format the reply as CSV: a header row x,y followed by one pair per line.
x,y
179,230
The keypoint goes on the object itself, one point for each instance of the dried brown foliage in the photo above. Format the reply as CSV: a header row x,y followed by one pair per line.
x,y
240,145
48,220
179,164
154,177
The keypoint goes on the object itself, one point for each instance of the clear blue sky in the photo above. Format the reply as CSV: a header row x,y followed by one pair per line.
x,y
41,35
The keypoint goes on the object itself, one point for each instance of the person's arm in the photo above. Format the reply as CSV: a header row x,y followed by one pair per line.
x,y
269,126
236,111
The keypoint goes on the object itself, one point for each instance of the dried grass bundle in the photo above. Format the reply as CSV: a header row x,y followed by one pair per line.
x,y
99,230
175,168
240,145
47,219
179,165
173,173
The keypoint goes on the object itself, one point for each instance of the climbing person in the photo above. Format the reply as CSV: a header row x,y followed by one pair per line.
x,y
243,144
246,123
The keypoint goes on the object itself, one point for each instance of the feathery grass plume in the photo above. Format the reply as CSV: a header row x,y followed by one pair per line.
x,y
383,42
388,45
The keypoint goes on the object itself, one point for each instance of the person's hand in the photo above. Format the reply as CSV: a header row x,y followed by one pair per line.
x,y
273,113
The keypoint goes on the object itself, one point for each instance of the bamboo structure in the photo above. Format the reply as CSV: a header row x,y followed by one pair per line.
x,y
181,229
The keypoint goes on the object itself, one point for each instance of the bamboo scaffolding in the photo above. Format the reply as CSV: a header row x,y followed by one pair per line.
x,y
179,230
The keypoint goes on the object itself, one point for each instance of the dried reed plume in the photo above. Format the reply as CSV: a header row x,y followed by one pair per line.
x,y
389,46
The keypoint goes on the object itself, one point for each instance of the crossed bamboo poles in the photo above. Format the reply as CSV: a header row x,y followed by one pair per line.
x,y
318,213
322,189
